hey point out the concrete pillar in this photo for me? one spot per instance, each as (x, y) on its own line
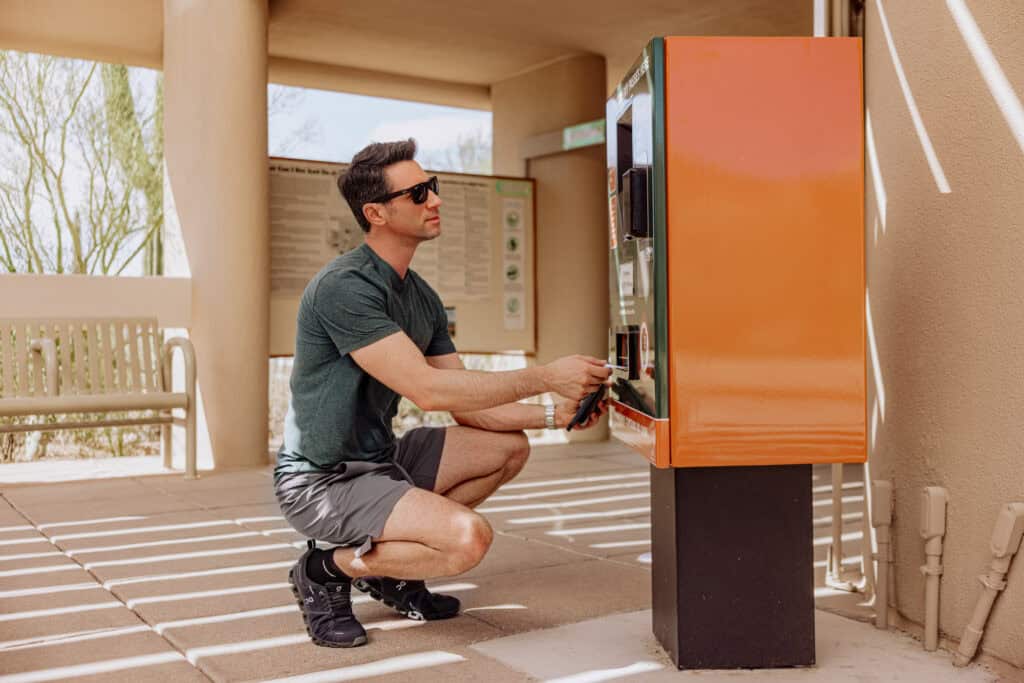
(572, 233)
(215, 127)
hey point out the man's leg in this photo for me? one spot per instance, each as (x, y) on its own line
(475, 462)
(426, 536)
(429, 535)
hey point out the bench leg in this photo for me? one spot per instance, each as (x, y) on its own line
(190, 442)
(165, 435)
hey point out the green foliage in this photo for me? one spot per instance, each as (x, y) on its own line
(142, 167)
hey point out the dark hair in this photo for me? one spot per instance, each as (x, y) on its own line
(365, 179)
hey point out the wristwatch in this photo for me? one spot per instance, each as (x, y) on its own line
(549, 416)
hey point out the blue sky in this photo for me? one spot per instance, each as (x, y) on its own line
(340, 124)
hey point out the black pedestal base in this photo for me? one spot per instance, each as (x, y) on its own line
(733, 582)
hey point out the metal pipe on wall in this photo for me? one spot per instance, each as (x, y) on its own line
(933, 528)
(840, 17)
(1006, 540)
(881, 520)
(868, 543)
(834, 572)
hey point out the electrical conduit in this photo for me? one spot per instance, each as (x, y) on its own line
(1006, 540)
(933, 528)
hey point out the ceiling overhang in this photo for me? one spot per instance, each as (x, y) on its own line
(443, 52)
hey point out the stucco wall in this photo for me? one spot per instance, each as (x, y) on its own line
(945, 280)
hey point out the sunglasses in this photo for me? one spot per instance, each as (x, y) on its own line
(418, 193)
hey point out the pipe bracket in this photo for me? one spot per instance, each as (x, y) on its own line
(931, 571)
(989, 582)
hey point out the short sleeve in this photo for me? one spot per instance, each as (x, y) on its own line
(441, 342)
(353, 310)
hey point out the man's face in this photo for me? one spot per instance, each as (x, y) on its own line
(419, 221)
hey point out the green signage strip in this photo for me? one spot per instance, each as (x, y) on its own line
(583, 135)
(512, 188)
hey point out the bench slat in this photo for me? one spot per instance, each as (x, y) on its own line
(93, 338)
(139, 327)
(41, 405)
(38, 331)
(64, 342)
(148, 336)
(131, 356)
(21, 358)
(106, 355)
(81, 355)
(7, 351)
(121, 356)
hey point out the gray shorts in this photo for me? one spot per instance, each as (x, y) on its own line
(351, 505)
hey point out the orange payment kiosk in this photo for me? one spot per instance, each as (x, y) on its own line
(736, 274)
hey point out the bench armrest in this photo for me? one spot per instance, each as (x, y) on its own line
(188, 355)
(47, 349)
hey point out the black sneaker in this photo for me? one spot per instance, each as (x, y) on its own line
(326, 609)
(409, 598)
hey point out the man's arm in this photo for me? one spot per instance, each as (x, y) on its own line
(396, 362)
(511, 417)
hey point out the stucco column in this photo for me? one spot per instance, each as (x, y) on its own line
(572, 233)
(215, 85)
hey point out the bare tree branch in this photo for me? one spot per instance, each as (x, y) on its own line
(81, 189)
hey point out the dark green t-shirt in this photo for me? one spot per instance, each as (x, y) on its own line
(338, 412)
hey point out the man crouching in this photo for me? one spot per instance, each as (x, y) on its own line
(370, 331)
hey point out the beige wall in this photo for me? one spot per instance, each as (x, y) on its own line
(945, 282)
(122, 31)
(303, 74)
(572, 256)
(567, 92)
(168, 299)
(215, 76)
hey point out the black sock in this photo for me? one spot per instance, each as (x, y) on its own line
(320, 568)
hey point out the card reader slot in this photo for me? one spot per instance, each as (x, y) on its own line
(633, 359)
(627, 351)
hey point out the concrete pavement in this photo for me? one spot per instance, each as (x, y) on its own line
(153, 577)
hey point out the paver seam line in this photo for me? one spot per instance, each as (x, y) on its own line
(567, 548)
(197, 666)
(100, 584)
(513, 632)
(625, 563)
(541, 541)
(582, 557)
(485, 623)
(471, 654)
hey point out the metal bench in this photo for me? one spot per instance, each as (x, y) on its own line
(60, 367)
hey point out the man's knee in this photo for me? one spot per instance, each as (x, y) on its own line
(518, 450)
(472, 540)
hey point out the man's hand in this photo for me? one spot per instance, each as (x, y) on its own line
(575, 376)
(566, 410)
